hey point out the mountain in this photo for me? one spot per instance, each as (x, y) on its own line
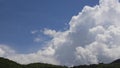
(41, 65)
(114, 64)
(6, 63)
(116, 61)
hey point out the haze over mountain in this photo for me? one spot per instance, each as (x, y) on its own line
(93, 37)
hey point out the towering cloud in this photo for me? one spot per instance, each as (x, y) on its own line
(93, 37)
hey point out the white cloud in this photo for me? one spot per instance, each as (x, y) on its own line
(93, 36)
(37, 39)
(40, 56)
(6, 51)
(34, 32)
(49, 32)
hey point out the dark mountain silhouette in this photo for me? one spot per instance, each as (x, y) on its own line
(116, 61)
(42, 65)
(114, 64)
(6, 63)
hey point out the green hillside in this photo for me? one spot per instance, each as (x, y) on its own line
(99, 66)
(41, 65)
(114, 64)
(5, 63)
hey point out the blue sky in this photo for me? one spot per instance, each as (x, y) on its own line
(19, 17)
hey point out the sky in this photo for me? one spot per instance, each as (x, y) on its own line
(60, 32)
(18, 18)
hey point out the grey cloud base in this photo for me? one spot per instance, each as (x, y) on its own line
(93, 37)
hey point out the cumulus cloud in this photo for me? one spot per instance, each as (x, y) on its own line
(49, 32)
(93, 37)
(6, 51)
(45, 56)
